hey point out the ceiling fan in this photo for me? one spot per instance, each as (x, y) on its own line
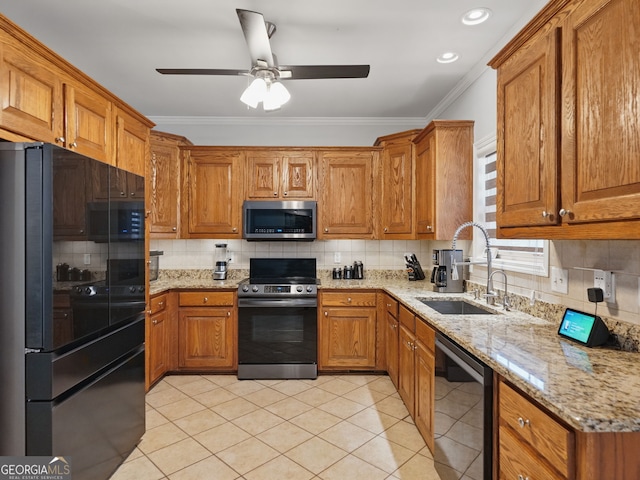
(267, 73)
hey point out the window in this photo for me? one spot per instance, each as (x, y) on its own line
(526, 256)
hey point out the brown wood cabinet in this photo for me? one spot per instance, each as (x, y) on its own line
(424, 401)
(132, 141)
(443, 179)
(392, 328)
(158, 340)
(163, 184)
(406, 358)
(212, 191)
(397, 189)
(280, 174)
(347, 330)
(31, 93)
(349, 194)
(568, 124)
(207, 325)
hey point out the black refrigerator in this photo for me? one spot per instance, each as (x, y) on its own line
(72, 302)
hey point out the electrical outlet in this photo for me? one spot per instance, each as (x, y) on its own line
(337, 257)
(606, 281)
(560, 280)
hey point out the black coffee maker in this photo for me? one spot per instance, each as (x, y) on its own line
(441, 275)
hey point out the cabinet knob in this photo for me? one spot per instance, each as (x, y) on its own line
(122, 194)
(205, 299)
(59, 139)
(73, 144)
(348, 299)
(388, 305)
(429, 227)
(286, 193)
(149, 312)
(235, 229)
(523, 477)
(161, 304)
(386, 229)
(175, 229)
(81, 232)
(155, 322)
(523, 423)
(564, 212)
(132, 194)
(228, 314)
(275, 194)
(545, 214)
(326, 314)
(326, 230)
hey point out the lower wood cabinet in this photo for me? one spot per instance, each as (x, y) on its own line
(424, 401)
(347, 330)
(158, 338)
(406, 358)
(207, 331)
(392, 329)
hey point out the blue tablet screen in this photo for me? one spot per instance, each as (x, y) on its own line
(576, 325)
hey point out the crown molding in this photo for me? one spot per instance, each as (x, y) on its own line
(285, 121)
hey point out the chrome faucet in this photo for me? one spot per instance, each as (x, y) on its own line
(506, 303)
(487, 250)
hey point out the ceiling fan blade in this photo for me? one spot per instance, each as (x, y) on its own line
(324, 71)
(255, 33)
(200, 71)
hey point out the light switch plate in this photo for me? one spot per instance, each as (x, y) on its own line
(560, 280)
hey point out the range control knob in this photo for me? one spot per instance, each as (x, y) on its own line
(309, 288)
(132, 289)
(299, 288)
(87, 290)
(245, 288)
(255, 289)
(78, 289)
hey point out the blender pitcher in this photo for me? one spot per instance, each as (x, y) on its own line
(221, 257)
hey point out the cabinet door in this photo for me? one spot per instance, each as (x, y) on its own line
(263, 175)
(397, 191)
(392, 348)
(31, 95)
(207, 338)
(132, 147)
(425, 388)
(214, 192)
(601, 120)
(297, 175)
(158, 345)
(406, 368)
(425, 185)
(527, 163)
(89, 123)
(347, 194)
(347, 337)
(69, 204)
(163, 182)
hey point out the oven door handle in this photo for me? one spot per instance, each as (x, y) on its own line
(277, 302)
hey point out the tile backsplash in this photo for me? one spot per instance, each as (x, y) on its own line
(619, 256)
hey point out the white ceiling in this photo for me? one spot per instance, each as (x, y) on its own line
(119, 43)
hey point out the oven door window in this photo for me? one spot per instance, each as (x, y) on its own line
(277, 335)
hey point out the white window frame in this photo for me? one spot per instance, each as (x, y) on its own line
(535, 259)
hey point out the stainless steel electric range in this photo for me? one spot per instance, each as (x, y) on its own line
(277, 319)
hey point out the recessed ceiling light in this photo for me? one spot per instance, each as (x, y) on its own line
(448, 57)
(476, 16)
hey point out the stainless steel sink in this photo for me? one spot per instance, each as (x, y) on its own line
(456, 307)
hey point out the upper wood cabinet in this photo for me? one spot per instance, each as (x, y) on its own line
(163, 184)
(397, 190)
(568, 123)
(278, 174)
(132, 137)
(30, 94)
(348, 192)
(443, 179)
(212, 189)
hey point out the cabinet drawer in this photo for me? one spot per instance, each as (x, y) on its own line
(518, 461)
(407, 318)
(349, 299)
(534, 427)
(206, 298)
(426, 335)
(391, 306)
(158, 303)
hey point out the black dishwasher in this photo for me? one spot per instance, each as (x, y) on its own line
(463, 413)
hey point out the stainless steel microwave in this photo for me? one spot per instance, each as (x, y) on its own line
(279, 220)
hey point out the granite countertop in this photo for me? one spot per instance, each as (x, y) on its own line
(592, 389)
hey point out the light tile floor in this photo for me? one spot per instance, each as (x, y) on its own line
(352, 427)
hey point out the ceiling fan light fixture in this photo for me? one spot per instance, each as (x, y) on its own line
(254, 93)
(476, 16)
